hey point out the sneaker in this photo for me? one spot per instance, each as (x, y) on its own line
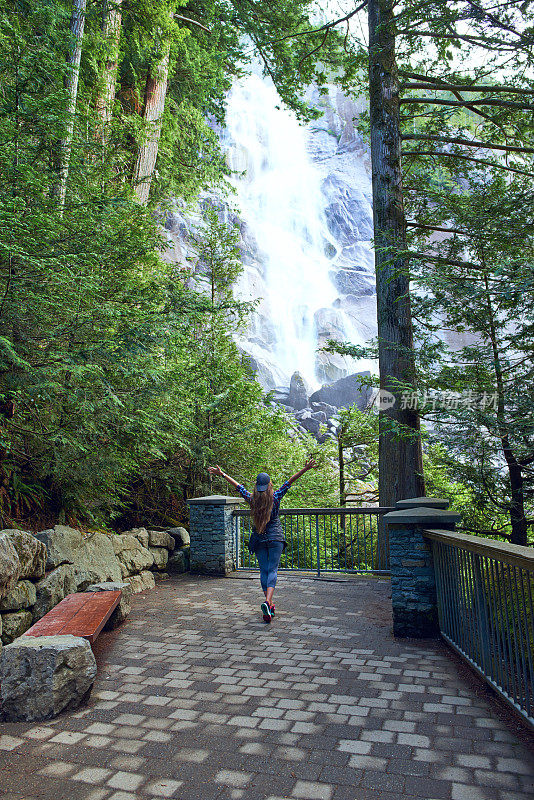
(272, 609)
(266, 611)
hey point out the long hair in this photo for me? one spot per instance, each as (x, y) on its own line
(261, 506)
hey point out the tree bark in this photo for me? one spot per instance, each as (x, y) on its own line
(111, 30)
(154, 104)
(77, 24)
(400, 457)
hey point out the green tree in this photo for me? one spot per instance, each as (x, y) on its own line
(478, 285)
(451, 83)
(357, 455)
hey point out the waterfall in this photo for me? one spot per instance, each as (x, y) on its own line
(306, 253)
(302, 203)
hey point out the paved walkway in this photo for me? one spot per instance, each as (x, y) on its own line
(197, 699)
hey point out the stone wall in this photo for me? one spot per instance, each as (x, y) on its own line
(413, 584)
(212, 534)
(38, 570)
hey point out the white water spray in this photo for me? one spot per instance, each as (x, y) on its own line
(281, 202)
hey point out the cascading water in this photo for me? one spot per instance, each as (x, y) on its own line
(303, 208)
(301, 226)
(280, 201)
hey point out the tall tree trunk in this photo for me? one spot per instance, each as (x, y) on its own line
(77, 24)
(400, 458)
(154, 104)
(111, 30)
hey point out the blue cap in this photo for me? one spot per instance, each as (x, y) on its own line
(262, 482)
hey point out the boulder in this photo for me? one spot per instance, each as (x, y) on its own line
(10, 566)
(311, 421)
(328, 409)
(31, 553)
(14, 624)
(23, 595)
(161, 539)
(141, 534)
(180, 536)
(178, 562)
(125, 604)
(133, 557)
(298, 392)
(92, 554)
(280, 395)
(345, 392)
(161, 556)
(310, 424)
(139, 583)
(53, 588)
(40, 676)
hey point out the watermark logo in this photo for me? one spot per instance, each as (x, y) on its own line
(435, 400)
(430, 400)
(384, 400)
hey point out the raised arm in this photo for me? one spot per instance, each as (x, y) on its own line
(216, 470)
(310, 464)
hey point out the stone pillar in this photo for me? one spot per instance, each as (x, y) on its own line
(413, 585)
(212, 534)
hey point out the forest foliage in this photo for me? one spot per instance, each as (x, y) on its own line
(461, 135)
(119, 375)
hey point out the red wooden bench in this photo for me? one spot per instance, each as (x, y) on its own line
(83, 614)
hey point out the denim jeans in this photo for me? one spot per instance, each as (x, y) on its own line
(268, 555)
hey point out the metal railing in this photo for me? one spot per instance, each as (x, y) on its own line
(485, 605)
(323, 540)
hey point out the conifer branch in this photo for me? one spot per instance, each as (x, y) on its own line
(435, 101)
(467, 158)
(420, 137)
(459, 87)
(192, 21)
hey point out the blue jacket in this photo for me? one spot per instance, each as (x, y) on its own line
(273, 531)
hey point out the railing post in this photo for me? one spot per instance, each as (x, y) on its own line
(212, 534)
(236, 521)
(413, 582)
(318, 545)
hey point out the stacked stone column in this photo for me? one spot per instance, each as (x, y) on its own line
(413, 583)
(212, 534)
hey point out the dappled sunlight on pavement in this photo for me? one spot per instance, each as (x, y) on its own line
(196, 699)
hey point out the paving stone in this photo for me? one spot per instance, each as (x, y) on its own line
(10, 742)
(192, 701)
(164, 787)
(427, 788)
(309, 790)
(92, 775)
(129, 781)
(382, 782)
(461, 791)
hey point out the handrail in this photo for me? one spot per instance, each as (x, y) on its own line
(516, 554)
(242, 512)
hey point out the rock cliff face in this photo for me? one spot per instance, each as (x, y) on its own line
(305, 224)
